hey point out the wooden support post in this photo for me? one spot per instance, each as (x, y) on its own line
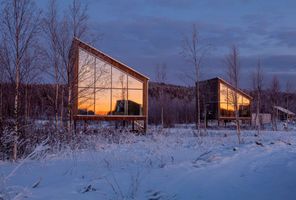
(75, 127)
(85, 126)
(133, 125)
(145, 125)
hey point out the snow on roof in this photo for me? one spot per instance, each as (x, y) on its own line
(284, 110)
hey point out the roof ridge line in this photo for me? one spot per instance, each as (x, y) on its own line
(75, 38)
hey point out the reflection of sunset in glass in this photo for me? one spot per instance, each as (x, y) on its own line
(246, 102)
(106, 90)
(230, 107)
(102, 103)
(134, 83)
(228, 99)
(103, 74)
(86, 69)
(119, 79)
(223, 105)
(86, 100)
(239, 98)
(136, 96)
(119, 97)
(86, 105)
(223, 93)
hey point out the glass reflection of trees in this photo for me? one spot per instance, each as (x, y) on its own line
(227, 103)
(106, 90)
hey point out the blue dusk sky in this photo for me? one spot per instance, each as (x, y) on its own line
(145, 33)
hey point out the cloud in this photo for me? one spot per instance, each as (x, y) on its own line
(286, 37)
(144, 33)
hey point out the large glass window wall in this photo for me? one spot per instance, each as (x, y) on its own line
(106, 90)
(228, 98)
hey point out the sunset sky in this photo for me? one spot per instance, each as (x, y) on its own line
(144, 33)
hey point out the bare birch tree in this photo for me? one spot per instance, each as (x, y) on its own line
(161, 77)
(194, 53)
(51, 31)
(258, 86)
(288, 99)
(233, 72)
(289, 91)
(60, 30)
(31, 72)
(274, 95)
(20, 25)
(2, 75)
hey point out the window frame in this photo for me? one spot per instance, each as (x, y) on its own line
(111, 88)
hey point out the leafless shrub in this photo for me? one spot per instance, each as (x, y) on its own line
(194, 53)
(18, 193)
(233, 71)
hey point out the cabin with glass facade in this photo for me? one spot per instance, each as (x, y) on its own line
(106, 89)
(218, 99)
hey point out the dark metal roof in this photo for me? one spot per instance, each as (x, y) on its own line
(229, 85)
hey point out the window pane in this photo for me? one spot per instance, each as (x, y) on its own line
(230, 111)
(246, 101)
(85, 101)
(134, 83)
(227, 103)
(103, 74)
(223, 110)
(103, 102)
(119, 78)
(85, 69)
(119, 99)
(135, 102)
(230, 107)
(244, 111)
(239, 99)
(223, 93)
(231, 96)
(245, 108)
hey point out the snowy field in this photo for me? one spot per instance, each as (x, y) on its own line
(163, 165)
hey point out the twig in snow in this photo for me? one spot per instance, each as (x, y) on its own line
(89, 188)
(36, 184)
(259, 144)
(202, 155)
(287, 143)
(40, 148)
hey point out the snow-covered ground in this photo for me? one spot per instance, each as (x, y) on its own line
(169, 164)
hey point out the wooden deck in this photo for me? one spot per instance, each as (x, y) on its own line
(108, 118)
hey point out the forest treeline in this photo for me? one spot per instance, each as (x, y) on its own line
(37, 102)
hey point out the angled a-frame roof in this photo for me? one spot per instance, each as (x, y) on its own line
(231, 86)
(238, 89)
(78, 43)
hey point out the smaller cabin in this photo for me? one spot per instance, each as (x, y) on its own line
(284, 114)
(218, 99)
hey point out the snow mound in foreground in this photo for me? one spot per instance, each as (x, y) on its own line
(171, 164)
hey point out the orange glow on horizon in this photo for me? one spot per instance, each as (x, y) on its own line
(227, 99)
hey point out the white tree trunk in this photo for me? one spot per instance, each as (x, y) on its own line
(62, 108)
(56, 105)
(1, 105)
(69, 110)
(16, 111)
(258, 114)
